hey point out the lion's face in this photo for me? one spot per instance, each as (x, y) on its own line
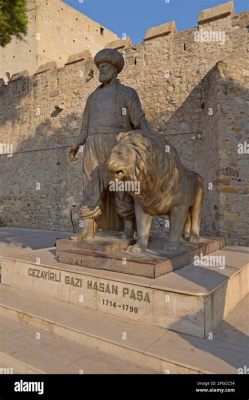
(122, 161)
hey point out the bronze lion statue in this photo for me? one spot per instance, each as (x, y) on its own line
(166, 187)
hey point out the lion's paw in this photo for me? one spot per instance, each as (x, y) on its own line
(194, 238)
(135, 249)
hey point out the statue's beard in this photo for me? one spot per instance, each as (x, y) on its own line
(106, 77)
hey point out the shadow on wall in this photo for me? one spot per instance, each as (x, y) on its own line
(194, 134)
(206, 131)
(38, 184)
(11, 96)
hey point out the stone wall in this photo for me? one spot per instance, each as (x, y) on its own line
(187, 94)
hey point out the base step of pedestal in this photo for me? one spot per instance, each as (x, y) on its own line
(24, 349)
(150, 348)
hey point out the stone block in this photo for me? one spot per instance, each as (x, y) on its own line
(160, 30)
(221, 11)
(45, 67)
(83, 55)
(119, 44)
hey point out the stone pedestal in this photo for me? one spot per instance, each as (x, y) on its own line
(191, 300)
(108, 252)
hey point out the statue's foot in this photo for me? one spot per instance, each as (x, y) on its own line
(81, 236)
(76, 237)
(87, 232)
(136, 249)
(171, 246)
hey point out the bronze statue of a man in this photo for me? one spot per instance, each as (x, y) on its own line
(112, 108)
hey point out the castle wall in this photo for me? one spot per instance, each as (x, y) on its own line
(55, 31)
(65, 31)
(178, 82)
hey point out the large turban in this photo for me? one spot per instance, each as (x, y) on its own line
(110, 56)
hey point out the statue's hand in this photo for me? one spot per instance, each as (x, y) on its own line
(73, 153)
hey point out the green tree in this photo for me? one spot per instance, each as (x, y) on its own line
(13, 20)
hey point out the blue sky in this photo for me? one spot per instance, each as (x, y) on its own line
(134, 17)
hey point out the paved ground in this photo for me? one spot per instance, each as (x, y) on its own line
(25, 239)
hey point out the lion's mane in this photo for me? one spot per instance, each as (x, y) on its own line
(158, 166)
